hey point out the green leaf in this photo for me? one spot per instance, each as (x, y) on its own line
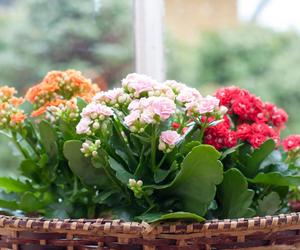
(82, 167)
(12, 205)
(186, 148)
(12, 185)
(81, 103)
(49, 140)
(27, 107)
(269, 205)
(156, 217)
(30, 203)
(121, 173)
(103, 196)
(30, 169)
(195, 184)
(254, 161)
(276, 179)
(230, 151)
(234, 196)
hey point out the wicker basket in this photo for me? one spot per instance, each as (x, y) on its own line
(270, 232)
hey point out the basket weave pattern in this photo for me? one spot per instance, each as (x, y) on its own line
(270, 232)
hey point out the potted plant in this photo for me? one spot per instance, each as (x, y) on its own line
(146, 152)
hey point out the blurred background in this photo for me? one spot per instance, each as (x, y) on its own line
(208, 43)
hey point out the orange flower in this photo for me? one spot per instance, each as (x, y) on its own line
(18, 117)
(3, 106)
(33, 92)
(7, 93)
(16, 101)
(39, 111)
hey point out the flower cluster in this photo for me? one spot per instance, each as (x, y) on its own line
(221, 136)
(148, 111)
(136, 187)
(250, 108)
(257, 133)
(291, 143)
(167, 140)
(10, 115)
(114, 98)
(90, 149)
(66, 110)
(94, 117)
(57, 86)
(253, 120)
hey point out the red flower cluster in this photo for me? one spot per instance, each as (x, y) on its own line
(250, 108)
(255, 121)
(257, 133)
(221, 136)
(291, 143)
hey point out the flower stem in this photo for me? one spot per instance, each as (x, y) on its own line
(203, 128)
(153, 147)
(18, 145)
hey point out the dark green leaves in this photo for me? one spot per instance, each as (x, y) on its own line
(234, 196)
(49, 140)
(82, 166)
(253, 161)
(269, 205)
(121, 173)
(195, 184)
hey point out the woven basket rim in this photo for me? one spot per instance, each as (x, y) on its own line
(268, 223)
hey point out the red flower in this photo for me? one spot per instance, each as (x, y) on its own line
(291, 143)
(244, 131)
(257, 139)
(220, 136)
(277, 116)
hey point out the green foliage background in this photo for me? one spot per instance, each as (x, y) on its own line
(261, 60)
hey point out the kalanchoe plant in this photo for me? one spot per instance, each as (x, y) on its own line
(145, 151)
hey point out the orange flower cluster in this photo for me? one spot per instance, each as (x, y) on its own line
(59, 86)
(10, 115)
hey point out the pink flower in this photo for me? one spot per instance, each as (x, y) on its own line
(96, 109)
(138, 83)
(83, 126)
(169, 137)
(208, 104)
(130, 119)
(162, 106)
(188, 95)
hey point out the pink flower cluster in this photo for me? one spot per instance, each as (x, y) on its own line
(291, 143)
(138, 84)
(148, 111)
(114, 98)
(167, 140)
(92, 117)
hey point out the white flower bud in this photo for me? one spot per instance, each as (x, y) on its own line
(94, 153)
(96, 125)
(94, 115)
(85, 145)
(97, 143)
(161, 146)
(132, 182)
(139, 183)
